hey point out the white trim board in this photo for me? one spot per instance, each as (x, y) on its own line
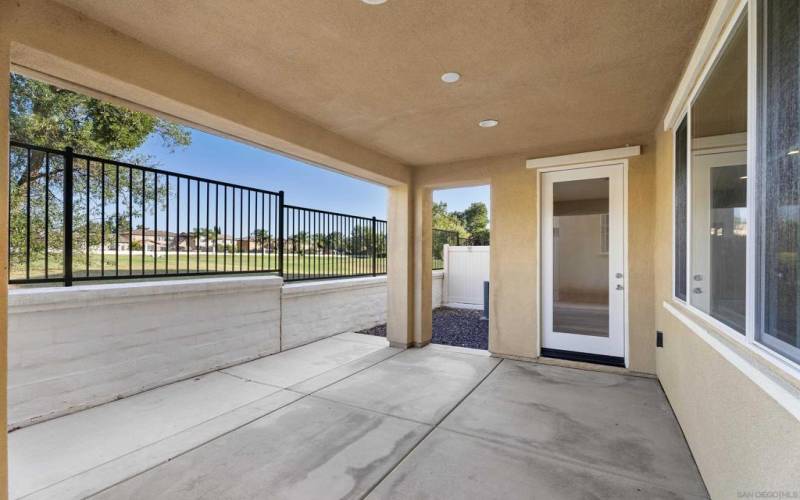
(581, 158)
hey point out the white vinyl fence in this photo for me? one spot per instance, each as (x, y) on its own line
(465, 270)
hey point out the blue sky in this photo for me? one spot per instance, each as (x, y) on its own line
(305, 185)
(461, 198)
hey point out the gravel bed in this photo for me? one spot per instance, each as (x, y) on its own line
(457, 327)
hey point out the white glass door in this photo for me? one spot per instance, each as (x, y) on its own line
(583, 262)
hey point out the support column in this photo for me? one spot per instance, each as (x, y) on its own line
(5, 68)
(423, 266)
(400, 267)
(410, 266)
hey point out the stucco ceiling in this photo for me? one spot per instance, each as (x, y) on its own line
(562, 76)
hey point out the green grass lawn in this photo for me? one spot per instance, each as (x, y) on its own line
(296, 266)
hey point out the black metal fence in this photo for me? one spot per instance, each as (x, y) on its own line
(74, 217)
(328, 244)
(442, 237)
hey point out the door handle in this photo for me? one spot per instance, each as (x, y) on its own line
(697, 290)
(620, 287)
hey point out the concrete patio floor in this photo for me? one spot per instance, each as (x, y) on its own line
(350, 417)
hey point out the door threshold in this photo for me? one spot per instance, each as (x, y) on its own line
(585, 357)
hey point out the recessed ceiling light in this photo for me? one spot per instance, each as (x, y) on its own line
(488, 123)
(451, 77)
(373, 2)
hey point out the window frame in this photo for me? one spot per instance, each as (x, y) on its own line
(748, 339)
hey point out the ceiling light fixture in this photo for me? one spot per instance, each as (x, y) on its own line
(793, 152)
(451, 77)
(488, 123)
(373, 2)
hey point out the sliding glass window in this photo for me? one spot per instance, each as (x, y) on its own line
(778, 179)
(718, 170)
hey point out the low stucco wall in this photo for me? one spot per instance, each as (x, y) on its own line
(314, 310)
(319, 309)
(73, 348)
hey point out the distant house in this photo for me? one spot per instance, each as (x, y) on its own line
(147, 240)
(162, 241)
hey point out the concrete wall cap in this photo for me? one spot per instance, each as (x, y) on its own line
(332, 286)
(32, 299)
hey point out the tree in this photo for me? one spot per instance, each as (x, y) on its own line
(475, 218)
(472, 224)
(45, 115)
(335, 241)
(449, 221)
(263, 239)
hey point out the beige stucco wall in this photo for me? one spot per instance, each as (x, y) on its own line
(514, 270)
(58, 42)
(742, 439)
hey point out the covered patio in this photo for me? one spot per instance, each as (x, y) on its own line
(349, 416)
(644, 326)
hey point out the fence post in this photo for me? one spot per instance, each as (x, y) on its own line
(281, 216)
(374, 248)
(68, 193)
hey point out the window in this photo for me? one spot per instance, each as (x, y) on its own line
(778, 183)
(718, 185)
(716, 230)
(681, 152)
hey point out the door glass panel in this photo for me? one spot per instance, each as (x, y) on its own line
(580, 257)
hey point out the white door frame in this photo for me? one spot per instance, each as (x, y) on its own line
(623, 163)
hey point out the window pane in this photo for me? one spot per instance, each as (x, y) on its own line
(718, 219)
(681, 154)
(779, 178)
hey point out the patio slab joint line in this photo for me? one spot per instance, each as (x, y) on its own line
(429, 431)
(245, 379)
(229, 431)
(136, 450)
(370, 410)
